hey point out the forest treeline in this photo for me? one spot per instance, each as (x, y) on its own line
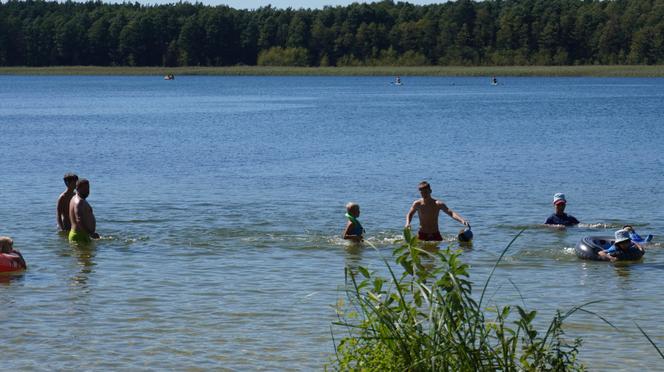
(463, 32)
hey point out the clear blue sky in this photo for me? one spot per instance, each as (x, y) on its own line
(252, 4)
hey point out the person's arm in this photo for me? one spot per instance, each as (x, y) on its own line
(443, 207)
(411, 212)
(639, 247)
(348, 235)
(59, 212)
(605, 256)
(20, 256)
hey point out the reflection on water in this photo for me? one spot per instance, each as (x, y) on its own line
(84, 254)
(221, 216)
(7, 278)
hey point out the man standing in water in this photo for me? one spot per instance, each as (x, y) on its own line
(428, 210)
(560, 217)
(62, 209)
(83, 223)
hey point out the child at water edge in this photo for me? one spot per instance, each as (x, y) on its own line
(354, 229)
(7, 247)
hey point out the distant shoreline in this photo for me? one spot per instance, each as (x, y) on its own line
(544, 71)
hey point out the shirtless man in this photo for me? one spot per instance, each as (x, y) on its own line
(62, 209)
(427, 210)
(83, 223)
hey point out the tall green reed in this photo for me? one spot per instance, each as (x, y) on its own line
(426, 319)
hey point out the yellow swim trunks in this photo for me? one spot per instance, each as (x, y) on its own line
(79, 236)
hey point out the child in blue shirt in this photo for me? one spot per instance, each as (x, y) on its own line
(622, 249)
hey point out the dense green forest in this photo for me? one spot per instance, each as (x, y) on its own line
(463, 32)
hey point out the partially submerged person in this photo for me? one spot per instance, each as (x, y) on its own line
(428, 209)
(83, 223)
(7, 248)
(354, 229)
(62, 209)
(622, 249)
(559, 217)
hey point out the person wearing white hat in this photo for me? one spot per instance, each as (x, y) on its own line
(622, 249)
(560, 217)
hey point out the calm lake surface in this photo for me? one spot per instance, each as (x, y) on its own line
(220, 201)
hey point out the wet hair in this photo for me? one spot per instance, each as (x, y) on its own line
(350, 206)
(423, 185)
(70, 176)
(82, 181)
(5, 244)
(628, 228)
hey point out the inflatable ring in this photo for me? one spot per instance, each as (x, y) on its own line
(11, 263)
(589, 247)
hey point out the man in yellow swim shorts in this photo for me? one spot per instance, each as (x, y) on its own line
(83, 223)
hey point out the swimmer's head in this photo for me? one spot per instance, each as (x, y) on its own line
(70, 180)
(353, 209)
(6, 244)
(83, 188)
(425, 188)
(628, 228)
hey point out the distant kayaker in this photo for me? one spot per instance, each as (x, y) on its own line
(622, 249)
(428, 210)
(560, 217)
(354, 229)
(83, 223)
(62, 209)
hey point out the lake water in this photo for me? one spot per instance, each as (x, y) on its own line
(220, 201)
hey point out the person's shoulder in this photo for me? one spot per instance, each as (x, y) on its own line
(551, 220)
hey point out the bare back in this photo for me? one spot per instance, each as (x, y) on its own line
(62, 210)
(81, 216)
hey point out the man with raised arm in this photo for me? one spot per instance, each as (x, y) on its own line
(83, 223)
(62, 209)
(428, 210)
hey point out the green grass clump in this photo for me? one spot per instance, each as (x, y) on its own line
(427, 320)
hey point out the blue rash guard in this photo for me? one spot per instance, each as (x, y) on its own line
(632, 253)
(633, 236)
(565, 219)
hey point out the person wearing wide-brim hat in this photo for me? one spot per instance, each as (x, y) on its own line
(560, 217)
(622, 249)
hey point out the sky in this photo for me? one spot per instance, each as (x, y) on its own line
(253, 4)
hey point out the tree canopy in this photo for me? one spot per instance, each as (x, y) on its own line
(462, 32)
